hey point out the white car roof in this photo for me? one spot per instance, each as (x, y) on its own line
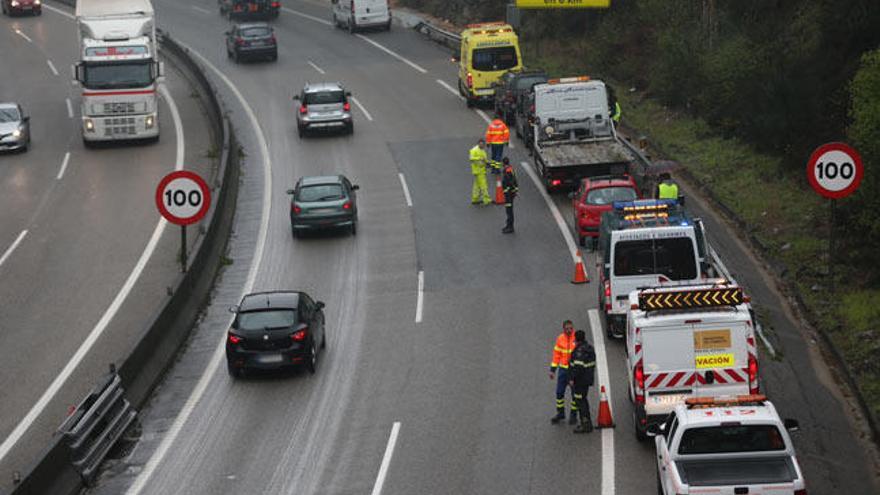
(714, 416)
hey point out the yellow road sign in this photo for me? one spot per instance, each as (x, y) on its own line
(701, 298)
(563, 4)
(715, 361)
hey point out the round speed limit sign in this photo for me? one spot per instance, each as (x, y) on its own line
(183, 197)
(835, 170)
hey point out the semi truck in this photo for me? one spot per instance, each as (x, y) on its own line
(573, 135)
(118, 70)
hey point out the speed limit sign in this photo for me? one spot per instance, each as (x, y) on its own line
(835, 170)
(183, 197)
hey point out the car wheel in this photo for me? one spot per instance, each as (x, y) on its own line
(469, 102)
(274, 56)
(300, 131)
(582, 241)
(659, 485)
(641, 436)
(312, 365)
(324, 339)
(608, 331)
(335, 21)
(233, 371)
(351, 26)
(235, 56)
(38, 12)
(354, 228)
(349, 129)
(294, 232)
(388, 26)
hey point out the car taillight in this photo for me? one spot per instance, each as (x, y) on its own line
(239, 41)
(532, 109)
(303, 109)
(639, 377)
(800, 492)
(555, 182)
(273, 40)
(753, 374)
(346, 205)
(352, 8)
(607, 288)
(296, 209)
(276, 5)
(346, 106)
(470, 80)
(234, 339)
(299, 335)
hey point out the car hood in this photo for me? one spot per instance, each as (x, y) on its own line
(8, 127)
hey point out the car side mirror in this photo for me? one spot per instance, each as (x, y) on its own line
(233, 309)
(348, 93)
(228, 33)
(290, 191)
(572, 195)
(26, 118)
(791, 425)
(654, 429)
(319, 304)
(296, 98)
(355, 187)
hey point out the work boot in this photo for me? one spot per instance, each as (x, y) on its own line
(507, 230)
(573, 418)
(560, 416)
(582, 428)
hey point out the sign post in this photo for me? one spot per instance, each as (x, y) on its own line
(835, 171)
(183, 197)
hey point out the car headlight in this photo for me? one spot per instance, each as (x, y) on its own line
(90, 126)
(148, 122)
(14, 3)
(36, 2)
(16, 133)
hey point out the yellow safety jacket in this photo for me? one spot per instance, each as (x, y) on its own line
(479, 159)
(668, 190)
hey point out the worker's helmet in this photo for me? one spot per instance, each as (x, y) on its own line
(580, 336)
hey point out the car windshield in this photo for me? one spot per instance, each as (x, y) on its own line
(608, 195)
(322, 192)
(324, 97)
(525, 83)
(119, 75)
(255, 32)
(491, 59)
(259, 320)
(672, 257)
(9, 115)
(731, 439)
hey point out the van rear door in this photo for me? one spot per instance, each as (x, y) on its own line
(721, 358)
(668, 362)
(371, 12)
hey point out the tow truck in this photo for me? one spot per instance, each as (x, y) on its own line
(687, 341)
(727, 445)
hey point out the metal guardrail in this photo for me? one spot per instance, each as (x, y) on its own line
(441, 36)
(96, 424)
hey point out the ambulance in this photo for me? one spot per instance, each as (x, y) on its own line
(488, 50)
(687, 341)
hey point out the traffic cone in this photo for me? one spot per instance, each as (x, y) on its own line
(580, 274)
(604, 420)
(499, 193)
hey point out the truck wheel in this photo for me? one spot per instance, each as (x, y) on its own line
(641, 436)
(351, 26)
(609, 331)
(582, 241)
(659, 485)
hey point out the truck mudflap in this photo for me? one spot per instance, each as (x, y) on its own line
(738, 473)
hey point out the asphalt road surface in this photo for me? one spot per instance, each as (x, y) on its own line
(440, 328)
(74, 224)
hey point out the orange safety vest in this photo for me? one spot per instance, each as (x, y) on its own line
(497, 132)
(562, 351)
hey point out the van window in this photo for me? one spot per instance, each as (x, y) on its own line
(731, 438)
(673, 257)
(492, 59)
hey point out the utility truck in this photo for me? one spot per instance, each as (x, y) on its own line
(727, 445)
(119, 70)
(573, 135)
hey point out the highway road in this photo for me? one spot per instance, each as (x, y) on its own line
(440, 327)
(83, 264)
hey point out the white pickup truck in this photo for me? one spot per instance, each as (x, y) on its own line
(726, 446)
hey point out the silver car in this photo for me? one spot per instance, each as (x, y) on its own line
(323, 106)
(15, 127)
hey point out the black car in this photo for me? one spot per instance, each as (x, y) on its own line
(252, 40)
(263, 9)
(321, 202)
(274, 330)
(509, 91)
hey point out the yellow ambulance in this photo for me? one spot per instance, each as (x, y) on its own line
(488, 50)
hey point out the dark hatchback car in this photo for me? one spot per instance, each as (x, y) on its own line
(21, 7)
(250, 8)
(274, 330)
(321, 202)
(511, 89)
(252, 40)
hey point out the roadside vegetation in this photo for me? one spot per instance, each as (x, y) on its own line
(740, 93)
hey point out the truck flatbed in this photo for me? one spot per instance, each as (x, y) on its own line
(574, 153)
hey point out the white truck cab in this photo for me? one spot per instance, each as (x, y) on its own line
(687, 341)
(726, 446)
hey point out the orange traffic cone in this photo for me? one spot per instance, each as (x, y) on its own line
(604, 420)
(580, 274)
(499, 193)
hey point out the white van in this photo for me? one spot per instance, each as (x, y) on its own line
(361, 14)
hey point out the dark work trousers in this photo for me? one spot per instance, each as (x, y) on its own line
(497, 152)
(508, 208)
(583, 405)
(561, 385)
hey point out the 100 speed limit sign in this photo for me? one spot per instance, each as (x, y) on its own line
(835, 170)
(183, 197)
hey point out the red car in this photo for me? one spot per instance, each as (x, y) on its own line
(33, 7)
(595, 196)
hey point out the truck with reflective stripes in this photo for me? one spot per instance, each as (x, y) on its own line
(726, 445)
(686, 340)
(119, 70)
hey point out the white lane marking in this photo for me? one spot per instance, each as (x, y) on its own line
(219, 351)
(13, 246)
(364, 110)
(18, 32)
(69, 107)
(386, 459)
(760, 329)
(320, 70)
(405, 189)
(199, 9)
(608, 480)
(58, 11)
(450, 88)
(84, 348)
(307, 16)
(563, 227)
(483, 115)
(420, 300)
(393, 54)
(63, 166)
(52, 67)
